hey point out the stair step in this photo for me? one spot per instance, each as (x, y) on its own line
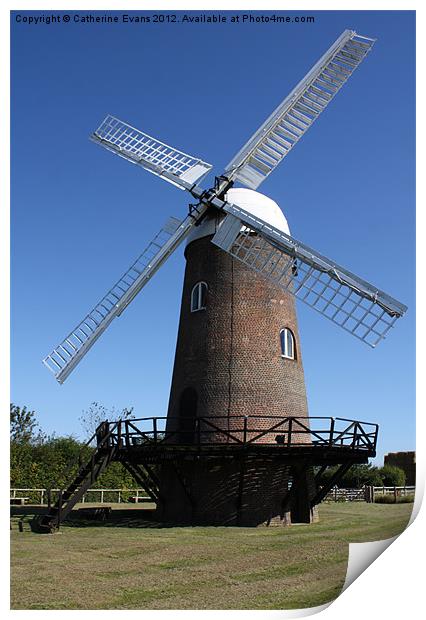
(74, 491)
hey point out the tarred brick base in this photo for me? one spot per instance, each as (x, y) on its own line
(231, 493)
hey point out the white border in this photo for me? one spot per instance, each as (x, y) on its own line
(392, 586)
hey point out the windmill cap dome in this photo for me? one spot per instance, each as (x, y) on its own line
(257, 204)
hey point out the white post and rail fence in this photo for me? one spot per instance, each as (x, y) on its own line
(101, 496)
(98, 496)
(368, 493)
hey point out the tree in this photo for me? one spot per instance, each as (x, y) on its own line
(356, 477)
(359, 475)
(97, 413)
(24, 427)
(39, 461)
(392, 476)
(54, 463)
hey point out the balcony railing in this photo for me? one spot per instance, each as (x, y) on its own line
(288, 432)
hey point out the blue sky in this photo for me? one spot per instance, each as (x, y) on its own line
(80, 215)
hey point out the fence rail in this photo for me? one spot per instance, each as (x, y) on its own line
(336, 494)
(346, 495)
(40, 496)
(401, 491)
(366, 493)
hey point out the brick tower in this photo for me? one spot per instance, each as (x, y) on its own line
(238, 354)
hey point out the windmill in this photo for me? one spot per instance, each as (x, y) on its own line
(244, 270)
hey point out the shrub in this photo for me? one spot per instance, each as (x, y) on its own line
(384, 499)
(392, 476)
(406, 499)
(390, 499)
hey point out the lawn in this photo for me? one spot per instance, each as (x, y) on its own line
(131, 563)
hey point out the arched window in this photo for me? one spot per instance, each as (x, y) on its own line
(288, 347)
(199, 297)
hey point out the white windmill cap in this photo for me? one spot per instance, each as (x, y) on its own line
(259, 205)
(255, 203)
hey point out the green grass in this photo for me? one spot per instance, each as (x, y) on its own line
(135, 565)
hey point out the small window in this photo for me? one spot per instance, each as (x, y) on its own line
(288, 348)
(199, 297)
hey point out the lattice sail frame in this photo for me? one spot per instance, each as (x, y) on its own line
(176, 167)
(339, 295)
(64, 357)
(292, 118)
(358, 307)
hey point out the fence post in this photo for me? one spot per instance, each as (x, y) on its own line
(290, 428)
(42, 497)
(335, 492)
(59, 509)
(49, 498)
(102, 497)
(245, 430)
(119, 497)
(154, 422)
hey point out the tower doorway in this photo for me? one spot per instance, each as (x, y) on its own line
(187, 414)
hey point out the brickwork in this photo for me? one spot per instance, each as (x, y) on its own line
(230, 352)
(228, 364)
(231, 492)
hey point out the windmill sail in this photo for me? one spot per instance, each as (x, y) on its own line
(157, 157)
(64, 358)
(293, 117)
(355, 305)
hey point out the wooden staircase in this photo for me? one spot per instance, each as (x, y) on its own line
(80, 484)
